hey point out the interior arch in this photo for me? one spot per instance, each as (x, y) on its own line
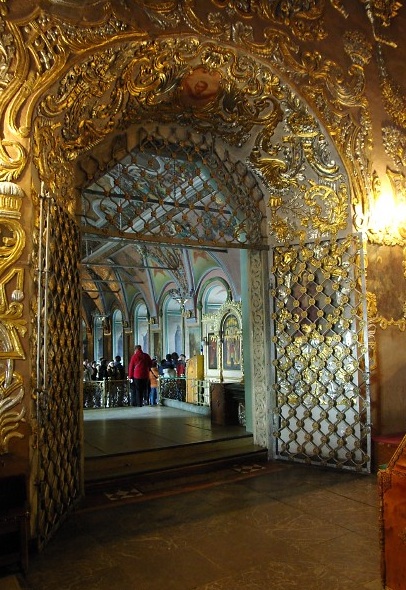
(294, 186)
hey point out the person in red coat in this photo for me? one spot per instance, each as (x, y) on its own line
(138, 373)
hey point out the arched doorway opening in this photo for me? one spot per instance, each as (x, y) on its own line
(200, 197)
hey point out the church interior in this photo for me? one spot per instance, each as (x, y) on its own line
(223, 180)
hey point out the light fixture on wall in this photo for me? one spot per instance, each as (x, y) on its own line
(387, 221)
(126, 327)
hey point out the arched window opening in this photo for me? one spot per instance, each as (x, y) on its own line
(98, 337)
(214, 297)
(118, 348)
(141, 333)
(173, 338)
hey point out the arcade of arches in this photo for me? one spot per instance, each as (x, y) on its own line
(166, 166)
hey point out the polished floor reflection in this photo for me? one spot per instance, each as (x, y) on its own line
(273, 526)
(124, 441)
(293, 528)
(121, 430)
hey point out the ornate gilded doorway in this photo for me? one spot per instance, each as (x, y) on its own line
(74, 85)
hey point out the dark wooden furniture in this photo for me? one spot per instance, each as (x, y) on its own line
(392, 493)
(14, 521)
(384, 447)
(224, 401)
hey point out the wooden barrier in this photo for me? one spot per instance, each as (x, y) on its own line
(392, 492)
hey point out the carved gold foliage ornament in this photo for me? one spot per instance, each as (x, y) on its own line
(393, 94)
(381, 11)
(223, 92)
(7, 51)
(395, 144)
(12, 323)
(114, 89)
(393, 97)
(124, 82)
(304, 18)
(328, 209)
(309, 196)
(13, 158)
(11, 396)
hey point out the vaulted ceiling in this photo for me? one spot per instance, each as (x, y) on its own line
(163, 216)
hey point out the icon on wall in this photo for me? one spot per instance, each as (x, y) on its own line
(231, 344)
(212, 351)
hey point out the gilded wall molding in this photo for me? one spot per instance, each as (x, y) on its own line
(386, 300)
(12, 323)
(380, 15)
(259, 350)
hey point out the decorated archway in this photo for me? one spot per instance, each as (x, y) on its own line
(95, 99)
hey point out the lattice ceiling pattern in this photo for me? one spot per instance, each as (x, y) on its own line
(169, 191)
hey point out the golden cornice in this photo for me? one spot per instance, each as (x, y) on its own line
(306, 23)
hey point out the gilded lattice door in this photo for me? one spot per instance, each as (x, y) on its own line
(57, 368)
(321, 376)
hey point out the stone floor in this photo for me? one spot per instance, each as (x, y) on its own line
(282, 528)
(119, 430)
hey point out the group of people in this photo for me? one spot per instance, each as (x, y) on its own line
(144, 373)
(98, 371)
(173, 365)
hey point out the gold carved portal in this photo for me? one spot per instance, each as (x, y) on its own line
(70, 87)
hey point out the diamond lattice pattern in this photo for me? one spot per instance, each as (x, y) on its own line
(171, 188)
(59, 403)
(320, 362)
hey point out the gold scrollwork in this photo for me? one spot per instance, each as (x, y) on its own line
(11, 395)
(331, 212)
(302, 206)
(128, 77)
(12, 324)
(303, 18)
(11, 166)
